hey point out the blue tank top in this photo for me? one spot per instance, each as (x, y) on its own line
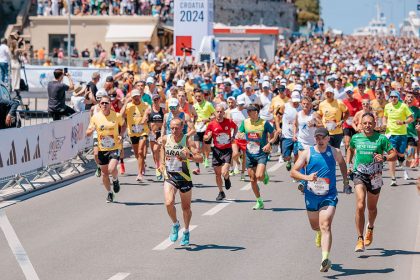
(324, 164)
(182, 117)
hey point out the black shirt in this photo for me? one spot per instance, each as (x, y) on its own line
(94, 90)
(56, 96)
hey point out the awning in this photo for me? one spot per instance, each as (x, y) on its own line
(129, 33)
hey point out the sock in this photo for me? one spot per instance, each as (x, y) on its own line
(325, 255)
(360, 237)
(186, 230)
(122, 160)
(318, 232)
(198, 165)
(369, 227)
(114, 179)
(176, 223)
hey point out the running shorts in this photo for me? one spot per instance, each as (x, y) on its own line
(253, 160)
(316, 202)
(104, 157)
(241, 144)
(399, 142)
(288, 146)
(349, 131)
(181, 185)
(136, 139)
(364, 179)
(199, 137)
(221, 156)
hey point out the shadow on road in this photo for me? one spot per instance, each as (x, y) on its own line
(137, 203)
(199, 200)
(284, 209)
(196, 247)
(388, 253)
(353, 272)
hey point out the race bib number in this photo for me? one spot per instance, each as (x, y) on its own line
(253, 145)
(320, 187)
(349, 120)
(376, 181)
(137, 128)
(223, 139)
(173, 164)
(152, 137)
(107, 141)
(200, 126)
(330, 125)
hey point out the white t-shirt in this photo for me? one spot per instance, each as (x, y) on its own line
(289, 117)
(78, 103)
(238, 116)
(266, 102)
(248, 100)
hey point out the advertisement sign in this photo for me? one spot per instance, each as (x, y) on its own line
(39, 76)
(193, 19)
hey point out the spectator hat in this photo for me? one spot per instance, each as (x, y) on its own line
(395, 93)
(155, 96)
(247, 85)
(231, 98)
(329, 89)
(150, 80)
(173, 102)
(298, 87)
(101, 93)
(180, 83)
(348, 90)
(266, 84)
(295, 96)
(135, 92)
(219, 80)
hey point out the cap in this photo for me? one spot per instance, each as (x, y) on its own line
(180, 83)
(173, 102)
(266, 84)
(135, 92)
(219, 80)
(348, 90)
(110, 79)
(329, 89)
(295, 96)
(282, 88)
(155, 96)
(247, 85)
(150, 80)
(266, 78)
(241, 102)
(322, 131)
(231, 98)
(321, 82)
(252, 107)
(394, 93)
(227, 83)
(101, 93)
(298, 87)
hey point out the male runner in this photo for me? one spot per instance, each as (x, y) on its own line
(320, 191)
(370, 147)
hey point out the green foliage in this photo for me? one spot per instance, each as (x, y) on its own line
(308, 10)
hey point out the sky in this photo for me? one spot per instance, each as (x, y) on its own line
(347, 15)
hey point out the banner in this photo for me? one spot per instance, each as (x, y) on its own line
(32, 147)
(39, 76)
(193, 20)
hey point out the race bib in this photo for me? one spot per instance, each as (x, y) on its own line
(253, 145)
(152, 137)
(320, 187)
(223, 139)
(137, 128)
(107, 141)
(349, 120)
(173, 164)
(330, 126)
(376, 181)
(200, 127)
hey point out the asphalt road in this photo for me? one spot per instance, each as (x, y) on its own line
(71, 233)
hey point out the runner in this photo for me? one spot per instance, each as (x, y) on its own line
(175, 113)
(220, 130)
(412, 134)
(396, 117)
(155, 115)
(320, 191)
(177, 149)
(204, 110)
(255, 130)
(134, 112)
(353, 106)
(367, 174)
(357, 119)
(107, 125)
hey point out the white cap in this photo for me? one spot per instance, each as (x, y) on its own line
(247, 85)
(348, 89)
(265, 84)
(241, 102)
(219, 80)
(266, 78)
(150, 80)
(180, 83)
(415, 85)
(135, 92)
(298, 87)
(295, 96)
(240, 73)
(329, 89)
(101, 93)
(173, 102)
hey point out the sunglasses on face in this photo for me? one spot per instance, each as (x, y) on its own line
(393, 97)
(365, 104)
(104, 103)
(172, 108)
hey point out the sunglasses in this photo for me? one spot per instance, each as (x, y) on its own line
(173, 108)
(393, 97)
(365, 104)
(104, 103)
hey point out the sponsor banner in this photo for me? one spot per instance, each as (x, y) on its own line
(29, 148)
(39, 76)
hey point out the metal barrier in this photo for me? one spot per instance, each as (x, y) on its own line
(28, 117)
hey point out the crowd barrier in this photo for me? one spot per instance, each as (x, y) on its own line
(43, 149)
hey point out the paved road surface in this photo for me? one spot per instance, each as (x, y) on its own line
(71, 233)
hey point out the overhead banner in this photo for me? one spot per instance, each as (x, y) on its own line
(32, 147)
(193, 20)
(39, 76)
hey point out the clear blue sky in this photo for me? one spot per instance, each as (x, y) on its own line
(347, 15)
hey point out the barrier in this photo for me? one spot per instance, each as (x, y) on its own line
(43, 149)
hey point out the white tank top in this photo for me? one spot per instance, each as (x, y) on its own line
(306, 134)
(289, 117)
(238, 116)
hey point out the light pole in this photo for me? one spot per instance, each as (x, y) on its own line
(69, 33)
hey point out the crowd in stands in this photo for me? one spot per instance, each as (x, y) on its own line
(158, 8)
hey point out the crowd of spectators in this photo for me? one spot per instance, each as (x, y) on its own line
(159, 8)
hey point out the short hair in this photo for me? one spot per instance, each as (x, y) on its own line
(58, 73)
(368, 114)
(3, 41)
(307, 98)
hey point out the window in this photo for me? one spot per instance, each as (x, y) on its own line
(60, 41)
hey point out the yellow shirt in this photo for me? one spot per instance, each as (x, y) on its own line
(278, 102)
(393, 113)
(189, 89)
(107, 128)
(331, 114)
(378, 107)
(135, 115)
(144, 67)
(204, 110)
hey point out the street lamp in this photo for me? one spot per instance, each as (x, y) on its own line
(69, 32)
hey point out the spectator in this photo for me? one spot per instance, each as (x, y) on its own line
(41, 54)
(57, 95)
(79, 98)
(7, 108)
(5, 58)
(93, 88)
(86, 53)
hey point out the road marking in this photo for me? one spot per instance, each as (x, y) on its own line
(167, 243)
(17, 248)
(273, 168)
(415, 268)
(119, 276)
(218, 207)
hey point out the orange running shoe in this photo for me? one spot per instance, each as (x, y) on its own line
(360, 246)
(369, 236)
(122, 168)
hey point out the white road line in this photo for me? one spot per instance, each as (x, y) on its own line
(17, 248)
(273, 168)
(415, 269)
(218, 207)
(167, 243)
(119, 276)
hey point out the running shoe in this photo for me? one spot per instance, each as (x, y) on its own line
(174, 232)
(393, 182)
(347, 189)
(360, 245)
(268, 157)
(259, 205)
(196, 171)
(206, 163)
(318, 239)
(185, 240)
(406, 176)
(242, 176)
(228, 184)
(139, 178)
(301, 187)
(369, 236)
(281, 160)
(98, 172)
(159, 175)
(266, 178)
(236, 171)
(289, 165)
(325, 265)
(122, 168)
(220, 196)
(231, 173)
(116, 185)
(110, 197)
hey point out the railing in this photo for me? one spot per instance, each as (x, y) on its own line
(28, 118)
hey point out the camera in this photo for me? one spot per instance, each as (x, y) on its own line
(66, 70)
